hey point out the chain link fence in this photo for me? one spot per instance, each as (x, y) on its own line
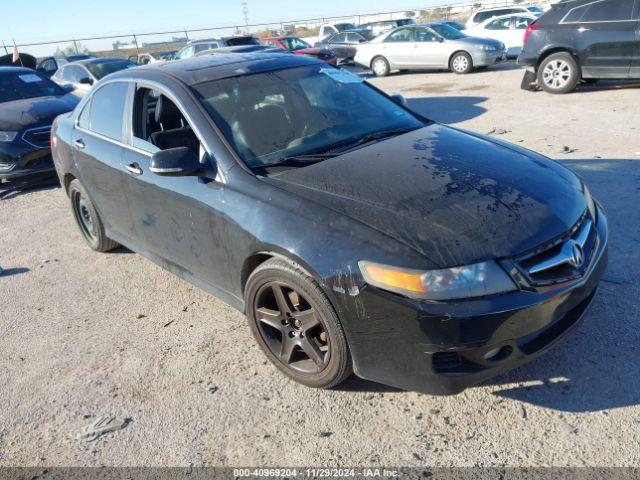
(127, 44)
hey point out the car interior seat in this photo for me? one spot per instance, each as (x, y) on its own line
(174, 131)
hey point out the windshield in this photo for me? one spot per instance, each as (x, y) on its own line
(270, 116)
(293, 43)
(447, 32)
(102, 69)
(23, 85)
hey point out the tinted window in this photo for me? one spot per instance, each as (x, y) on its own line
(424, 35)
(27, 84)
(402, 35)
(447, 32)
(341, 38)
(107, 110)
(602, 11)
(102, 69)
(354, 38)
(294, 43)
(203, 47)
(500, 24)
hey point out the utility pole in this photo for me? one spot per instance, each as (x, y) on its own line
(245, 13)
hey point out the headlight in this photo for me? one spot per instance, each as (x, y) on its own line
(480, 279)
(8, 136)
(487, 48)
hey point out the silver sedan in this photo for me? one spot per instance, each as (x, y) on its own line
(429, 45)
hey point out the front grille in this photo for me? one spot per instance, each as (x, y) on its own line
(38, 137)
(564, 259)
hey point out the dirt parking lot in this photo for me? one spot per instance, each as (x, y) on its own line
(83, 335)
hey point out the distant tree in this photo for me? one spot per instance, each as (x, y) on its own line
(410, 13)
(73, 49)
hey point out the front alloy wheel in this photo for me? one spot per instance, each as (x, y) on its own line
(558, 73)
(295, 324)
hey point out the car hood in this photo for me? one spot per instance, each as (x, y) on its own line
(20, 114)
(454, 197)
(477, 41)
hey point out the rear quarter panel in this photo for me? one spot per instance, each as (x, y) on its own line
(61, 148)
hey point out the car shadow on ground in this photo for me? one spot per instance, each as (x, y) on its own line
(15, 188)
(7, 272)
(597, 368)
(448, 110)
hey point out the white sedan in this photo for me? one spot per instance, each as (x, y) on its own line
(509, 29)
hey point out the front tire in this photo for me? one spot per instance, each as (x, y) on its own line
(380, 67)
(558, 73)
(461, 63)
(88, 220)
(296, 326)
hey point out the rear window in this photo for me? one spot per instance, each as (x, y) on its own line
(102, 69)
(23, 85)
(233, 42)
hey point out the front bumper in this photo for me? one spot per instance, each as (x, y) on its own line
(486, 59)
(19, 160)
(441, 348)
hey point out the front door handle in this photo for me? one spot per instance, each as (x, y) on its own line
(79, 144)
(134, 168)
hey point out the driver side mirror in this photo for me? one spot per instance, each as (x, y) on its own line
(175, 162)
(86, 81)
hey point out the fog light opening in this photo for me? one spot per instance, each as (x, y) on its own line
(497, 354)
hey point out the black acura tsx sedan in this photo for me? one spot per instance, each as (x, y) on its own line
(355, 234)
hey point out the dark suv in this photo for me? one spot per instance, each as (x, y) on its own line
(583, 40)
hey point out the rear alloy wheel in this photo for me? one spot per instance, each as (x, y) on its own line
(558, 73)
(88, 219)
(461, 63)
(380, 67)
(296, 326)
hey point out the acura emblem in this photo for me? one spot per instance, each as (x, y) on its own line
(577, 256)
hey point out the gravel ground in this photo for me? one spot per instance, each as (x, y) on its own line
(83, 335)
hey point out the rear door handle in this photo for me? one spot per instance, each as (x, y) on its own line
(134, 168)
(79, 144)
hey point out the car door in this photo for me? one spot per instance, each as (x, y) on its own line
(398, 48)
(429, 49)
(605, 36)
(177, 219)
(98, 149)
(338, 43)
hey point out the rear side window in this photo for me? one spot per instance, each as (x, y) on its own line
(402, 35)
(107, 110)
(601, 11)
(83, 119)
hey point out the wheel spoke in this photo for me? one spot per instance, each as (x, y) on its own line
(284, 304)
(286, 351)
(312, 350)
(270, 317)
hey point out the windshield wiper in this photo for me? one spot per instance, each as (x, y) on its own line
(372, 137)
(300, 160)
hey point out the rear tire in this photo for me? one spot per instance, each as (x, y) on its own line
(88, 220)
(461, 63)
(380, 67)
(558, 73)
(296, 326)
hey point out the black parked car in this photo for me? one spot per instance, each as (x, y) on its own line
(345, 44)
(29, 102)
(583, 40)
(352, 232)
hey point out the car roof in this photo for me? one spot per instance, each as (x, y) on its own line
(90, 61)
(509, 15)
(216, 39)
(216, 67)
(8, 69)
(500, 8)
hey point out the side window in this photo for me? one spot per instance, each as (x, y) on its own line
(186, 53)
(107, 110)
(158, 124)
(330, 30)
(521, 23)
(353, 38)
(342, 38)
(424, 35)
(500, 24)
(601, 11)
(145, 59)
(49, 65)
(402, 35)
(203, 47)
(83, 119)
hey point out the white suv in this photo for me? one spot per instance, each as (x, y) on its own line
(480, 16)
